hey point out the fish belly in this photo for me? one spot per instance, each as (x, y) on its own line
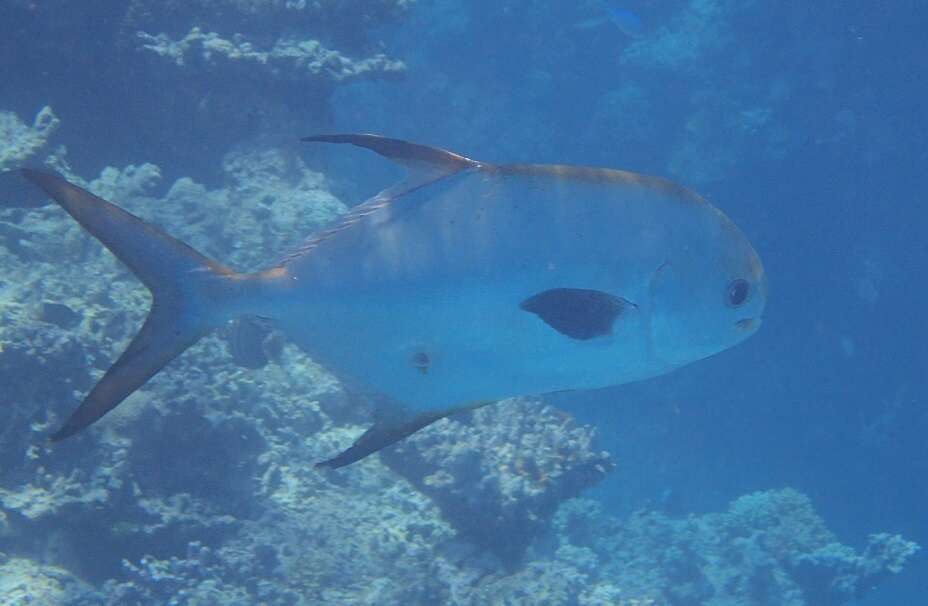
(457, 345)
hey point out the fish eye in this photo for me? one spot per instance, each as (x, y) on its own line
(737, 292)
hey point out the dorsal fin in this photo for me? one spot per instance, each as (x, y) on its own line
(424, 165)
(411, 155)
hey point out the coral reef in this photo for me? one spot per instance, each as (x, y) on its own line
(834, 574)
(343, 21)
(183, 79)
(270, 202)
(187, 493)
(768, 548)
(291, 58)
(20, 141)
(717, 119)
(23, 582)
(700, 29)
(499, 477)
(52, 318)
(200, 488)
(249, 36)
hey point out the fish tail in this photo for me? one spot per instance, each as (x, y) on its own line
(191, 294)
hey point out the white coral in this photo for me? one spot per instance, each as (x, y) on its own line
(298, 57)
(19, 142)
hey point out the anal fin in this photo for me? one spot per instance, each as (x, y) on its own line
(385, 432)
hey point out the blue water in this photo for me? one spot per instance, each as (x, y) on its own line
(804, 122)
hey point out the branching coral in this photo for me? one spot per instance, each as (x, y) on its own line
(500, 477)
(19, 142)
(287, 58)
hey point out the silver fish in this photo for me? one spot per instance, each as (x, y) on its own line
(464, 284)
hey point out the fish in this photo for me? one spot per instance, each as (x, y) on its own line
(464, 284)
(628, 22)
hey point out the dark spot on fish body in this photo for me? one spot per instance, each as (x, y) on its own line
(578, 313)
(421, 361)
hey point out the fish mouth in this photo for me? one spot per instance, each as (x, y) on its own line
(747, 324)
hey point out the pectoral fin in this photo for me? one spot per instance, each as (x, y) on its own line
(391, 430)
(577, 313)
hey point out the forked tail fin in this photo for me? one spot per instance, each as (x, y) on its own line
(190, 294)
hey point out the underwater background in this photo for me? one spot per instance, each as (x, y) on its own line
(792, 469)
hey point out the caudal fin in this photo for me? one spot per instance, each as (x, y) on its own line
(186, 288)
